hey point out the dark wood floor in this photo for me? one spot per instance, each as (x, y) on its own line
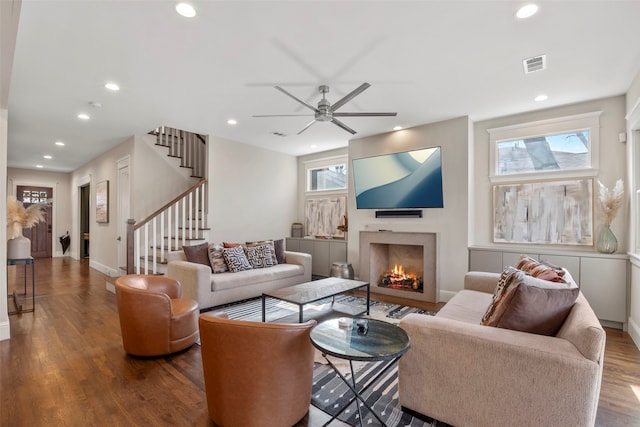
(64, 364)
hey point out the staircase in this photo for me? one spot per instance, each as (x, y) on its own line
(180, 222)
(189, 147)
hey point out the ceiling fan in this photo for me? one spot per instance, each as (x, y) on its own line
(326, 112)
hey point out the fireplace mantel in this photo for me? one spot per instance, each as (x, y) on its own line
(429, 243)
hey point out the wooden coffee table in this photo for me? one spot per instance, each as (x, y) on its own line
(306, 293)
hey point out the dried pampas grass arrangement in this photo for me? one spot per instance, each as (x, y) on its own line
(610, 201)
(19, 217)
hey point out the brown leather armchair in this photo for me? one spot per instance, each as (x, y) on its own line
(256, 374)
(154, 319)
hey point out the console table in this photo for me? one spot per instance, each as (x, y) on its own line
(20, 298)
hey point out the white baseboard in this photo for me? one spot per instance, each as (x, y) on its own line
(634, 331)
(5, 333)
(111, 272)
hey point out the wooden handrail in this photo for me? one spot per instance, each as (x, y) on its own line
(171, 203)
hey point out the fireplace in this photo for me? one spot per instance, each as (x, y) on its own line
(401, 264)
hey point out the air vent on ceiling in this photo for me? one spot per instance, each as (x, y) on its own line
(537, 63)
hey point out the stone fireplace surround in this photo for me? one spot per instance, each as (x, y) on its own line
(371, 264)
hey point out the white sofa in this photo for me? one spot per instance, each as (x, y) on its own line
(210, 290)
(466, 374)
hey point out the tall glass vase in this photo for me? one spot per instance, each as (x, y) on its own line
(607, 242)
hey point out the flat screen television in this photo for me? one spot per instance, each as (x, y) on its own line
(407, 180)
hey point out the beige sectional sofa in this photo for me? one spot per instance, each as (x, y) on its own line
(210, 290)
(466, 374)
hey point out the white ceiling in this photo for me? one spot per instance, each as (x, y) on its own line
(427, 60)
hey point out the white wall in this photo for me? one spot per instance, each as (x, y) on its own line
(633, 159)
(60, 182)
(4, 317)
(612, 164)
(9, 16)
(253, 192)
(450, 222)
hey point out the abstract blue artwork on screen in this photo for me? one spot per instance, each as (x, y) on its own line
(407, 180)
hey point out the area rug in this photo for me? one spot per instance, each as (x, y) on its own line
(329, 392)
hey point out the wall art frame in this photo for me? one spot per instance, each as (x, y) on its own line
(102, 202)
(323, 215)
(558, 212)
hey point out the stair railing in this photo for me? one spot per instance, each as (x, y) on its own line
(167, 229)
(188, 146)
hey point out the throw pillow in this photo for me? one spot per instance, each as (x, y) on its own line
(537, 310)
(260, 256)
(236, 259)
(216, 258)
(274, 259)
(509, 276)
(540, 269)
(279, 248)
(198, 254)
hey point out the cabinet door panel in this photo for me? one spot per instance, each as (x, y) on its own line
(480, 260)
(320, 258)
(604, 283)
(293, 245)
(337, 252)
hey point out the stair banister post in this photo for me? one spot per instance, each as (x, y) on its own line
(130, 244)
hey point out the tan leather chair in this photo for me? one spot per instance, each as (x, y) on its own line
(256, 374)
(154, 319)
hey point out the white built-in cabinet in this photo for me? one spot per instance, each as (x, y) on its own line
(603, 278)
(324, 252)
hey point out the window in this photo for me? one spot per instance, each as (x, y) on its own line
(554, 148)
(330, 176)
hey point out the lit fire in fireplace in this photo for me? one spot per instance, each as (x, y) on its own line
(397, 278)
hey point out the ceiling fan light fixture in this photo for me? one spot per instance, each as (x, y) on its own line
(186, 9)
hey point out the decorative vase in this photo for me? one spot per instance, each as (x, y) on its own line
(19, 248)
(607, 242)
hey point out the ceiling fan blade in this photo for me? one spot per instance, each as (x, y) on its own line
(348, 97)
(299, 100)
(343, 126)
(282, 115)
(307, 126)
(364, 114)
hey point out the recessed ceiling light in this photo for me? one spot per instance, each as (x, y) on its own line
(527, 11)
(540, 98)
(39, 166)
(314, 146)
(186, 10)
(112, 86)
(83, 116)
(397, 128)
(232, 122)
(60, 143)
(47, 156)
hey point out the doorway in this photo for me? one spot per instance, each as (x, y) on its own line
(85, 203)
(41, 234)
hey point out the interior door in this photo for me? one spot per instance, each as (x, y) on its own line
(41, 234)
(123, 209)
